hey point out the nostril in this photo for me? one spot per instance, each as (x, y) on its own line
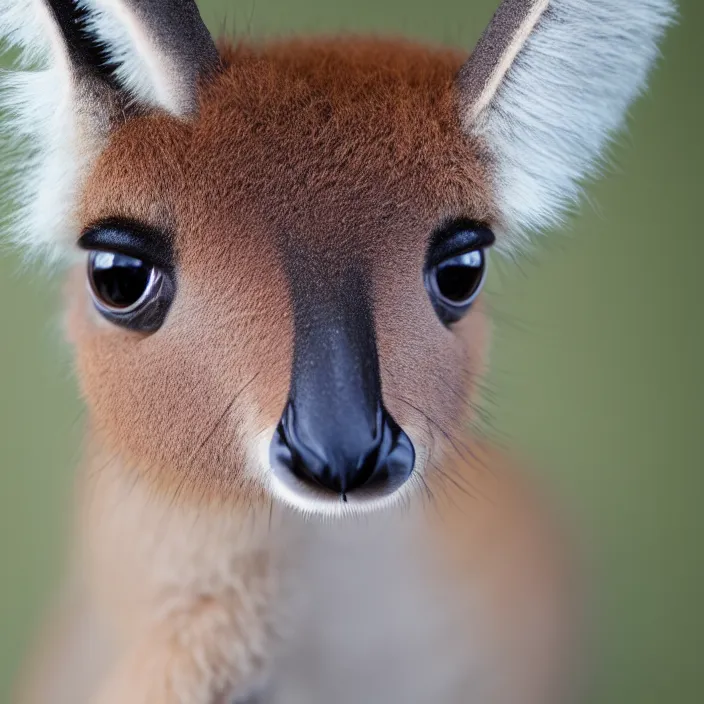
(377, 459)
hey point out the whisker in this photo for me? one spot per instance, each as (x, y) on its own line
(228, 408)
(221, 418)
(93, 473)
(271, 511)
(459, 450)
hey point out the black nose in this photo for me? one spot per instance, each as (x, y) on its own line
(377, 456)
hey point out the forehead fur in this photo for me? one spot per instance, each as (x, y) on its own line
(299, 129)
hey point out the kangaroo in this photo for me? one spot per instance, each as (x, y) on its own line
(274, 258)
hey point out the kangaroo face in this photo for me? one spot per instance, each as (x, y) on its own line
(285, 246)
(321, 230)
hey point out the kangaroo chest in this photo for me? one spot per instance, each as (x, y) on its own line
(379, 623)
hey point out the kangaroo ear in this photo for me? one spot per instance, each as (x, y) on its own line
(93, 64)
(160, 48)
(547, 87)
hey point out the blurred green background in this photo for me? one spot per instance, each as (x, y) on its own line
(597, 358)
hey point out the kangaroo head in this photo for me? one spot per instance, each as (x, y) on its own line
(284, 246)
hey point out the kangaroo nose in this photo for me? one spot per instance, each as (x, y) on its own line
(376, 456)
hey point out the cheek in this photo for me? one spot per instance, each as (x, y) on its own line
(474, 334)
(150, 400)
(430, 373)
(190, 399)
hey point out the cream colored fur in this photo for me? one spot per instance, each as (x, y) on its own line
(182, 607)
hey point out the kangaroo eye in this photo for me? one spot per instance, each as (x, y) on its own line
(456, 270)
(459, 279)
(128, 291)
(120, 283)
(130, 274)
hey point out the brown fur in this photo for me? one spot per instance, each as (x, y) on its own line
(350, 146)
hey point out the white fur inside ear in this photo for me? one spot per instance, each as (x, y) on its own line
(41, 162)
(57, 109)
(562, 100)
(144, 69)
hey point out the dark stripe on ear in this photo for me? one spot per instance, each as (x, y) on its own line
(85, 51)
(180, 31)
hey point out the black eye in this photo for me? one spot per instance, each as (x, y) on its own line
(458, 279)
(120, 283)
(128, 289)
(456, 269)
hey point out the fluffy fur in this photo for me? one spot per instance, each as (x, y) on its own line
(57, 120)
(561, 101)
(39, 129)
(141, 66)
(149, 69)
